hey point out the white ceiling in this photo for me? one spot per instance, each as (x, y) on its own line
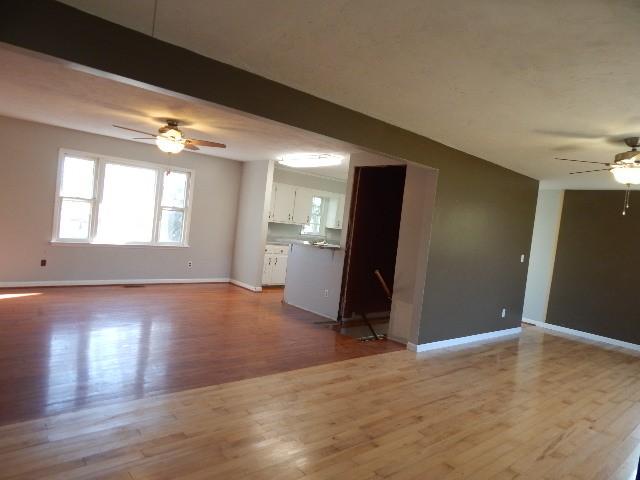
(32, 88)
(339, 172)
(516, 83)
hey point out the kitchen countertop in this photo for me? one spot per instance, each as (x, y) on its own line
(326, 246)
(330, 246)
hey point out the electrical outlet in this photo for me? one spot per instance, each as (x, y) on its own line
(189, 264)
(325, 293)
(522, 258)
(43, 262)
(504, 313)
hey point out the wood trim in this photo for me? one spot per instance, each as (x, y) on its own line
(244, 285)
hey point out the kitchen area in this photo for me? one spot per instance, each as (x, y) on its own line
(294, 222)
(306, 209)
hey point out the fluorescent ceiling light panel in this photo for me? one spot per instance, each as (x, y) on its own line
(311, 160)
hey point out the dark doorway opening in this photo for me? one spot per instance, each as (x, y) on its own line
(372, 244)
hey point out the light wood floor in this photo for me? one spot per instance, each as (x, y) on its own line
(541, 407)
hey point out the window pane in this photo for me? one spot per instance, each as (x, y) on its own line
(175, 189)
(77, 178)
(128, 204)
(171, 223)
(315, 219)
(75, 216)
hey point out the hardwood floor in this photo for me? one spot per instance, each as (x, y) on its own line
(67, 348)
(538, 407)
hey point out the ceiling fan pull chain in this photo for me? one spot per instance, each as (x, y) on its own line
(626, 199)
(155, 14)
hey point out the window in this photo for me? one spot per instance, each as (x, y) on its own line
(113, 201)
(316, 219)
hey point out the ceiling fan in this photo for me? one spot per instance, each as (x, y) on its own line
(170, 138)
(625, 167)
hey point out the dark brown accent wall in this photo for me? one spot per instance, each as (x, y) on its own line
(484, 213)
(597, 267)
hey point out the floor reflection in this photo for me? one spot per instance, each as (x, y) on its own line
(6, 296)
(91, 359)
(76, 347)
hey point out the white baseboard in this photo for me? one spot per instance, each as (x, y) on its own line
(581, 334)
(128, 281)
(245, 285)
(424, 347)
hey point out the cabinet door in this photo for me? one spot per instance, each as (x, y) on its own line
(335, 211)
(279, 270)
(272, 202)
(283, 203)
(267, 270)
(340, 212)
(302, 207)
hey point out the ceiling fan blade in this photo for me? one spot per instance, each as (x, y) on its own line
(574, 134)
(581, 161)
(134, 130)
(205, 143)
(590, 171)
(190, 146)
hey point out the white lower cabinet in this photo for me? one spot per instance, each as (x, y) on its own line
(279, 272)
(274, 270)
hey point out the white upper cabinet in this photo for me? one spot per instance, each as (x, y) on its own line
(293, 205)
(272, 202)
(290, 204)
(283, 202)
(335, 211)
(302, 206)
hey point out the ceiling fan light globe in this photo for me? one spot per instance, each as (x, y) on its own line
(627, 175)
(169, 144)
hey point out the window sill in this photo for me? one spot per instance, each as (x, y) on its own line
(58, 243)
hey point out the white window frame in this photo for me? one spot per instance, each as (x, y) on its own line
(98, 186)
(323, 218)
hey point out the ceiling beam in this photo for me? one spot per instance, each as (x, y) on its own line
(111, 50)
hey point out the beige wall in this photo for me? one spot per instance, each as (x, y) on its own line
(28, 169)
(306, 291)
(251, 231)
(543, 254)
(306, 180)
(414, 237)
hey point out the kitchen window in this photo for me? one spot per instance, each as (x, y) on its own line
(104, 200)
(316, 218)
